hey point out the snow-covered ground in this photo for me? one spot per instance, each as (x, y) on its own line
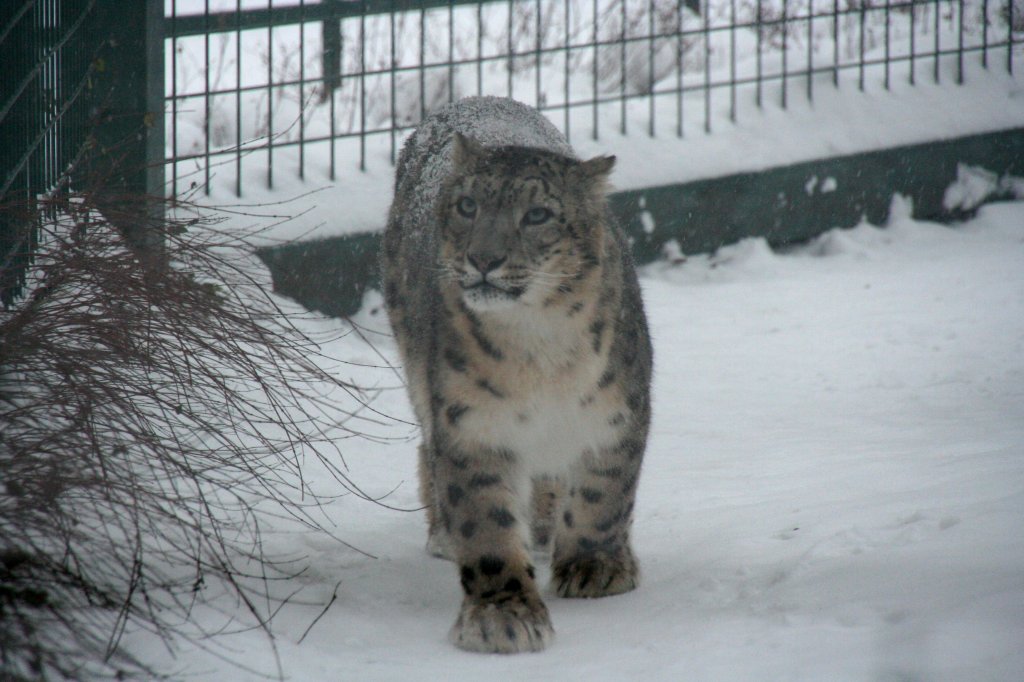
(833, 488)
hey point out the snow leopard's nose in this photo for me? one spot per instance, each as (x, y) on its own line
(485, 262)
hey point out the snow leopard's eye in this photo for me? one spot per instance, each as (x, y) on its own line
(466, 206)
(537, 215)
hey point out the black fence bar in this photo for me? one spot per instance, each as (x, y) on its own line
(238, 99)
(785, 50)
(679, 70)
(1011, 21)
(302, 93)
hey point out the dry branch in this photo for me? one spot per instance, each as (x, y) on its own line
(156, 407)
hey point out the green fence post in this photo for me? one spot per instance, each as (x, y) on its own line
(331, 36)
(127, 101)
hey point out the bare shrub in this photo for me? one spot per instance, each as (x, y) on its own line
(156, 409)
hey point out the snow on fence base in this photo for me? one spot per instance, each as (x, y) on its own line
(785, 205)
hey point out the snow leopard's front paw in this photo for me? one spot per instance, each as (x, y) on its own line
(596, 575)
(515, 625)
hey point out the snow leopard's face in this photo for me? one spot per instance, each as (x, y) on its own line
(519, 226)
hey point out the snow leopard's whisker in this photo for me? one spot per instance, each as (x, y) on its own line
(550, 277)
(446, 273)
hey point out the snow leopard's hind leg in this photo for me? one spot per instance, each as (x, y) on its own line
(439, 541)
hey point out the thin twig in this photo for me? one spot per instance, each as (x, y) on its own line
(316, 620)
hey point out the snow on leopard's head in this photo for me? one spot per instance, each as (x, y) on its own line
(520, 226)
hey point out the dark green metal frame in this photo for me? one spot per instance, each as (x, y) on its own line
(792, 204)
(81, 96)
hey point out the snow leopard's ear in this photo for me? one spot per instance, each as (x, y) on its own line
(597, 168)
(593, 174)
(465, 151)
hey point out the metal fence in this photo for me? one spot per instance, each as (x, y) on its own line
(41, 130)
(313, 86)
(73, 103)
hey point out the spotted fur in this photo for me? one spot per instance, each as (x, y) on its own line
(519, 320)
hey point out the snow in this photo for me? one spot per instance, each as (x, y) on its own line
(833, 488)
(974, 185)
(834, 483)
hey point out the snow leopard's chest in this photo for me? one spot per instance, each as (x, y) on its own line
(549, 402)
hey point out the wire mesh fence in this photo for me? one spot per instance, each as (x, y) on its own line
(74, 103)
(46, 66)
(338, 82)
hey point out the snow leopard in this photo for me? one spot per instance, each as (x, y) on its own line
(518, 318)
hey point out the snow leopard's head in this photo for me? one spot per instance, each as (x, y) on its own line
(519, 225)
